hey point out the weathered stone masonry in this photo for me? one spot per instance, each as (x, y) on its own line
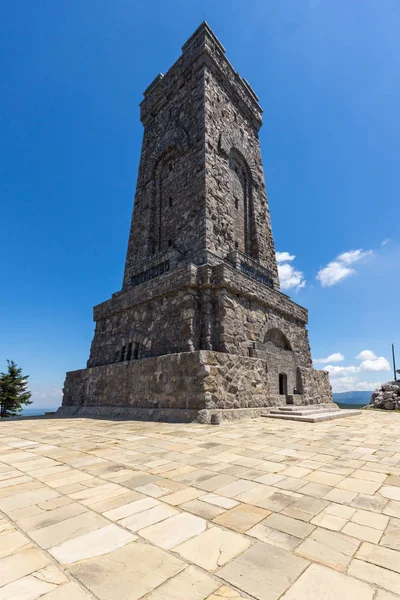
(200, 323)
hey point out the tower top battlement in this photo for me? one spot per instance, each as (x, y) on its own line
(204, 48)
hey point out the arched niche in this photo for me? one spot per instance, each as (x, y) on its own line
(176, 138)
(242, 206)
(167, 186)
(230, 140)
(278, 339)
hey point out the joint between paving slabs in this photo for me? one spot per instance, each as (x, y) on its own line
(63, 570)
(71, 578)
(142, 540)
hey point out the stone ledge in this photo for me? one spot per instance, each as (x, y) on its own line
(233, 414)
(168, 415)
(120, 413)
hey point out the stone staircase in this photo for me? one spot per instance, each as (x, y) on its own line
(311, 413)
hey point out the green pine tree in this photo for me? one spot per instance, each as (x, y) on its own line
(13, 391)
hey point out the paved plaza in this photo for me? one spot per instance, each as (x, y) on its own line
(122, 510)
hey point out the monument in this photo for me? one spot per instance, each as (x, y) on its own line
(200, 325)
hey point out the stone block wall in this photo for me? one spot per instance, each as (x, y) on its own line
(173, 381)
(162, 324)
(234, 173)
(199, 308)
(314, 385)
(190, 381)
(244, 325)
(170, 195)
(235, 381)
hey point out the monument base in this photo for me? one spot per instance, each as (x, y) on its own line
(183, 387)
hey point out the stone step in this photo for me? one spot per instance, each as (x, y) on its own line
(316, 417)
(304, 411)
(315, 407)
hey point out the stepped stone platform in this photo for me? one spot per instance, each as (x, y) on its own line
(311, 414)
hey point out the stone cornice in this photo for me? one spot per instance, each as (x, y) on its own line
(221, 276)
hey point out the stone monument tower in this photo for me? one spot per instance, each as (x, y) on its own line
(200, 323)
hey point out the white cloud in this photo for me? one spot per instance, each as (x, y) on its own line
(348, 258)
(385, 242)
(339, 269)
(335, 370)
(284, 257)
(289, 277)
(378, 364)
(366, 355)
(346, 378)
(351, 384)
(336, 357)
(333, 273)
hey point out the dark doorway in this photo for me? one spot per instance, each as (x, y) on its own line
(282, 384)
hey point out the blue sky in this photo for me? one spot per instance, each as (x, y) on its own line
(72, 76)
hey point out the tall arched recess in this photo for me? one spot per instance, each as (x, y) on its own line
(166, 189)
(278, 339)
(241, 183)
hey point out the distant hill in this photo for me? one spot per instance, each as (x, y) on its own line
(36, 412)
(352, 399)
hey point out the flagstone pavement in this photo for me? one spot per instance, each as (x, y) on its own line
(122, 510)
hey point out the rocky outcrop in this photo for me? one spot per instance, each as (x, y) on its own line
(387, 396)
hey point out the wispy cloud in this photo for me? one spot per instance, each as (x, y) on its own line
(352, 256)
(385, 242)
(289, 277)
(339, 269)
(47, 397)
(336, 357)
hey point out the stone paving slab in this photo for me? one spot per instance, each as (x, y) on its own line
(261, 509)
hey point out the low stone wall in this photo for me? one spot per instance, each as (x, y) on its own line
(171, 381)
(314, 385)
(171, 387)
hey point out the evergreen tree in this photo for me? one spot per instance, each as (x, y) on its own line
(13, 391)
